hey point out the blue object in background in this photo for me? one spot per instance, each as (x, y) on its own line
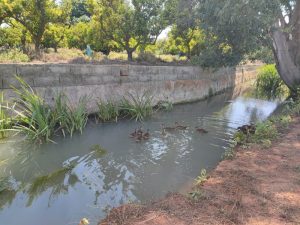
(89, 51)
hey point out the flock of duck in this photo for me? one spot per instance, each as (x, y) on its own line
(141, 135)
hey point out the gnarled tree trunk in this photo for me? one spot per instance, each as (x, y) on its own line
(286, 48)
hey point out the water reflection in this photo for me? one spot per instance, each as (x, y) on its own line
(86, 175)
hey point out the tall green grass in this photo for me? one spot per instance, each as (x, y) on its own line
(6, 120)
(137, 106)
(35, 118)
(108, 111)
(269, 84)
(70, 119)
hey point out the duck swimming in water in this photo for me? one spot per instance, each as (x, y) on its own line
(180, 127)
(201, 130)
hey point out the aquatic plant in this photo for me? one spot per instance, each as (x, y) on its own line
(98, 150)
(108, 111)
(79, 115)
(6, 120)
(165, 105)
(269, 84)
(137, 107)
(35, 118)
(70, 119)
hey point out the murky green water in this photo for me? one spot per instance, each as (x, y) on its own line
(60, 184)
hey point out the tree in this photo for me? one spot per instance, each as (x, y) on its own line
(243, 26)
(54, 36)
(186, 25)
(130, 24)
(80, 11)
(35, 16)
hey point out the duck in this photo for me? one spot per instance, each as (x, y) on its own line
(180, 127)
(133, 134)
(168, 128)
(139, 138)
(201, 130)
(247, 129)
(146, 135)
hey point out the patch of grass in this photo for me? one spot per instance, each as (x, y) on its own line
(14, 56)
(269, 84)
(108, 111)
(195, 194)
(202, 177)
(137, 106)
(228, 154)
(265, 131)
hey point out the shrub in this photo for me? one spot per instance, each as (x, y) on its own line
(13, 55)
(147, 57)
(268, 83)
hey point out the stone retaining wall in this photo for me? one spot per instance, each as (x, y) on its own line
(173, 83)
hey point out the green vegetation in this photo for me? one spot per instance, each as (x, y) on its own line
(202, 177)
(137, 106)
(108, 111)
(32, 117)
(5, 118)
(13, 55)
(269, 83)
(210, 33)
(165, 105)
(265, 132)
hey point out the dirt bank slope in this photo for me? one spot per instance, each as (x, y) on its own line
(260, 186)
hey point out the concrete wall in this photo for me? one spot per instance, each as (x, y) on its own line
(173, 83)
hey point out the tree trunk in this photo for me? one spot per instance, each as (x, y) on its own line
(23, 41)
(37, 49)
(286, 49)
(289, 70)
(129, 54)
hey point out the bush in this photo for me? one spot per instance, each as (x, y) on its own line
(147, 57)
(13, 55)
(268, 83)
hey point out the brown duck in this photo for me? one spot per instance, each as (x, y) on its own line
(201, 130)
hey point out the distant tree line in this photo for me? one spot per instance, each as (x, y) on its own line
(211, 33)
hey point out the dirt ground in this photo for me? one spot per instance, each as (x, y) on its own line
(258, 187)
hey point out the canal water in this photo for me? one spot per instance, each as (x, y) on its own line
(88, 174)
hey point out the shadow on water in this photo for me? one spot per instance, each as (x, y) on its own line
(88, 174)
